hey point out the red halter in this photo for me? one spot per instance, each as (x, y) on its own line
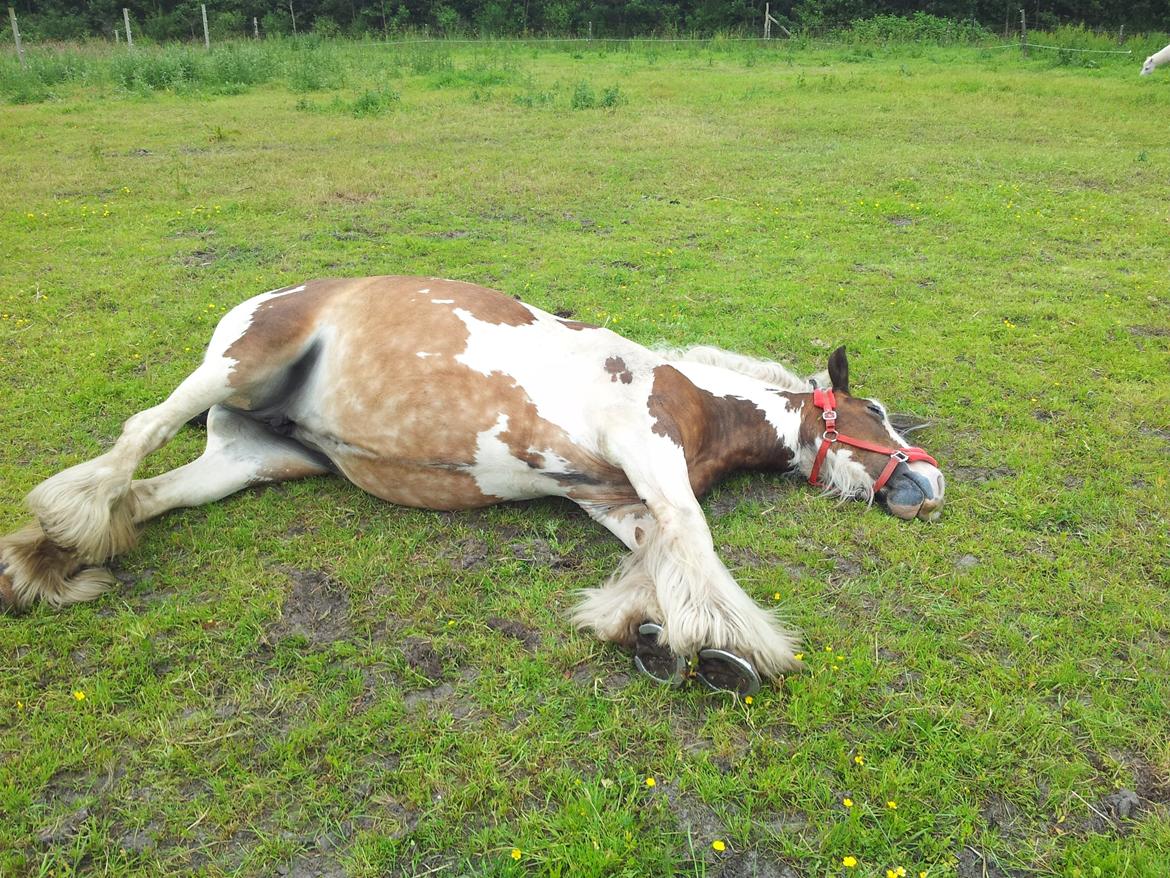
(827, 402)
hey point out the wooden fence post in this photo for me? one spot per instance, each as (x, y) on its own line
(126, 18)
(255, 28)
(206, 35)
(294, 17)
(767, 21)
(16, 36)
(1023, 34)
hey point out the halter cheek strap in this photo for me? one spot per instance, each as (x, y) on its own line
(826, 401)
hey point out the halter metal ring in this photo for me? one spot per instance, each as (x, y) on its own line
(830, 435)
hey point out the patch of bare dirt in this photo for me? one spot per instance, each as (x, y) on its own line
(975, 864)
(421, 656)
(316, 608)
(692, 814)
(420, 698)
(753, 864)
(466, 554)
(1150, 331)
(540, 552)
(312, 866)
(979, 474)
(515, 630)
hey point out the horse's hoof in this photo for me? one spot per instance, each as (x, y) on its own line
(657, 661)
(723, 671)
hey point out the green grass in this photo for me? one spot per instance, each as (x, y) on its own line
(988, 236)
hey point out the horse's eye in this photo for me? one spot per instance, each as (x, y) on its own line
(876, 409)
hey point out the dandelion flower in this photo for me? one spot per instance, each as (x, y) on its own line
(516, 853)
(849, 862)
(799, 656)
(847, 802)
(650, 781)
(747, 699)
(718, 845)
(892, 805)
(859, 759)
(78, 695)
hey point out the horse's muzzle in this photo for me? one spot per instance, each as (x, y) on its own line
(915, 490)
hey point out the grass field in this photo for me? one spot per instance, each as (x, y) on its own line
(305, 681)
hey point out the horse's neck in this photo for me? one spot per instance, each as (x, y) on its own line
(1162, 56)
(747, 424)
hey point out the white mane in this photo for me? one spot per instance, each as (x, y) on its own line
(765, 370)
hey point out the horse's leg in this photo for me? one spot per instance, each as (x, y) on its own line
(240, 452)
(88, 509)
(614, 611)
(701, 604)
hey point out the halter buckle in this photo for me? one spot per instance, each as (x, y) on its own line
(900, 456)
(829, 416)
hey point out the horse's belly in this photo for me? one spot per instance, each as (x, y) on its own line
(445, 486)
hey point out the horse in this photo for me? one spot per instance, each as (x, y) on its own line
(446, 395)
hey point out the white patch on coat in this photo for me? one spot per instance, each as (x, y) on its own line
(442, 301)
(422, 355)
(562, 371)
(498, 473)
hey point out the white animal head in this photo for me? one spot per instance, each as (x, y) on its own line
(1162, 56)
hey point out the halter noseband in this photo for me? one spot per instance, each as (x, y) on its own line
(827, 403)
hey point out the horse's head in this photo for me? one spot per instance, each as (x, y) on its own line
(854, 451)
(1148, 67)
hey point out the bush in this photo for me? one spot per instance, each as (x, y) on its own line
(583, 96)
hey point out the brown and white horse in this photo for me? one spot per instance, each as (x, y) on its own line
(446, 395)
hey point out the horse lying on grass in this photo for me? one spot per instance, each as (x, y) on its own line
(444, 395)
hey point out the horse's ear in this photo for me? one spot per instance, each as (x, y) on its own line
(839, 370)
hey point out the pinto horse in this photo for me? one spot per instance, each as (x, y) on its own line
(445, 395)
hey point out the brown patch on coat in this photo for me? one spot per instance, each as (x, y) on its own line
(578, 325)
(618, 371)
(718, 434)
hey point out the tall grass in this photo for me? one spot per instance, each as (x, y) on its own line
(310, 64)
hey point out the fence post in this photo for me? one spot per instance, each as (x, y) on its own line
(591, 31)
(206, 35)
(126, 18)
(767, 20)
(1023, 34)
(294, 17)
(16, 36)
(255, 28)
(1121, 35)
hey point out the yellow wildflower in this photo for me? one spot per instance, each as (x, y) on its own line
(799, 656)
(516, 853)
(718, 845)
(849, 862)
(892, 805)
(747, 699)
(859, 759)
(79, 695)
(847, 802)
(650, 781)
